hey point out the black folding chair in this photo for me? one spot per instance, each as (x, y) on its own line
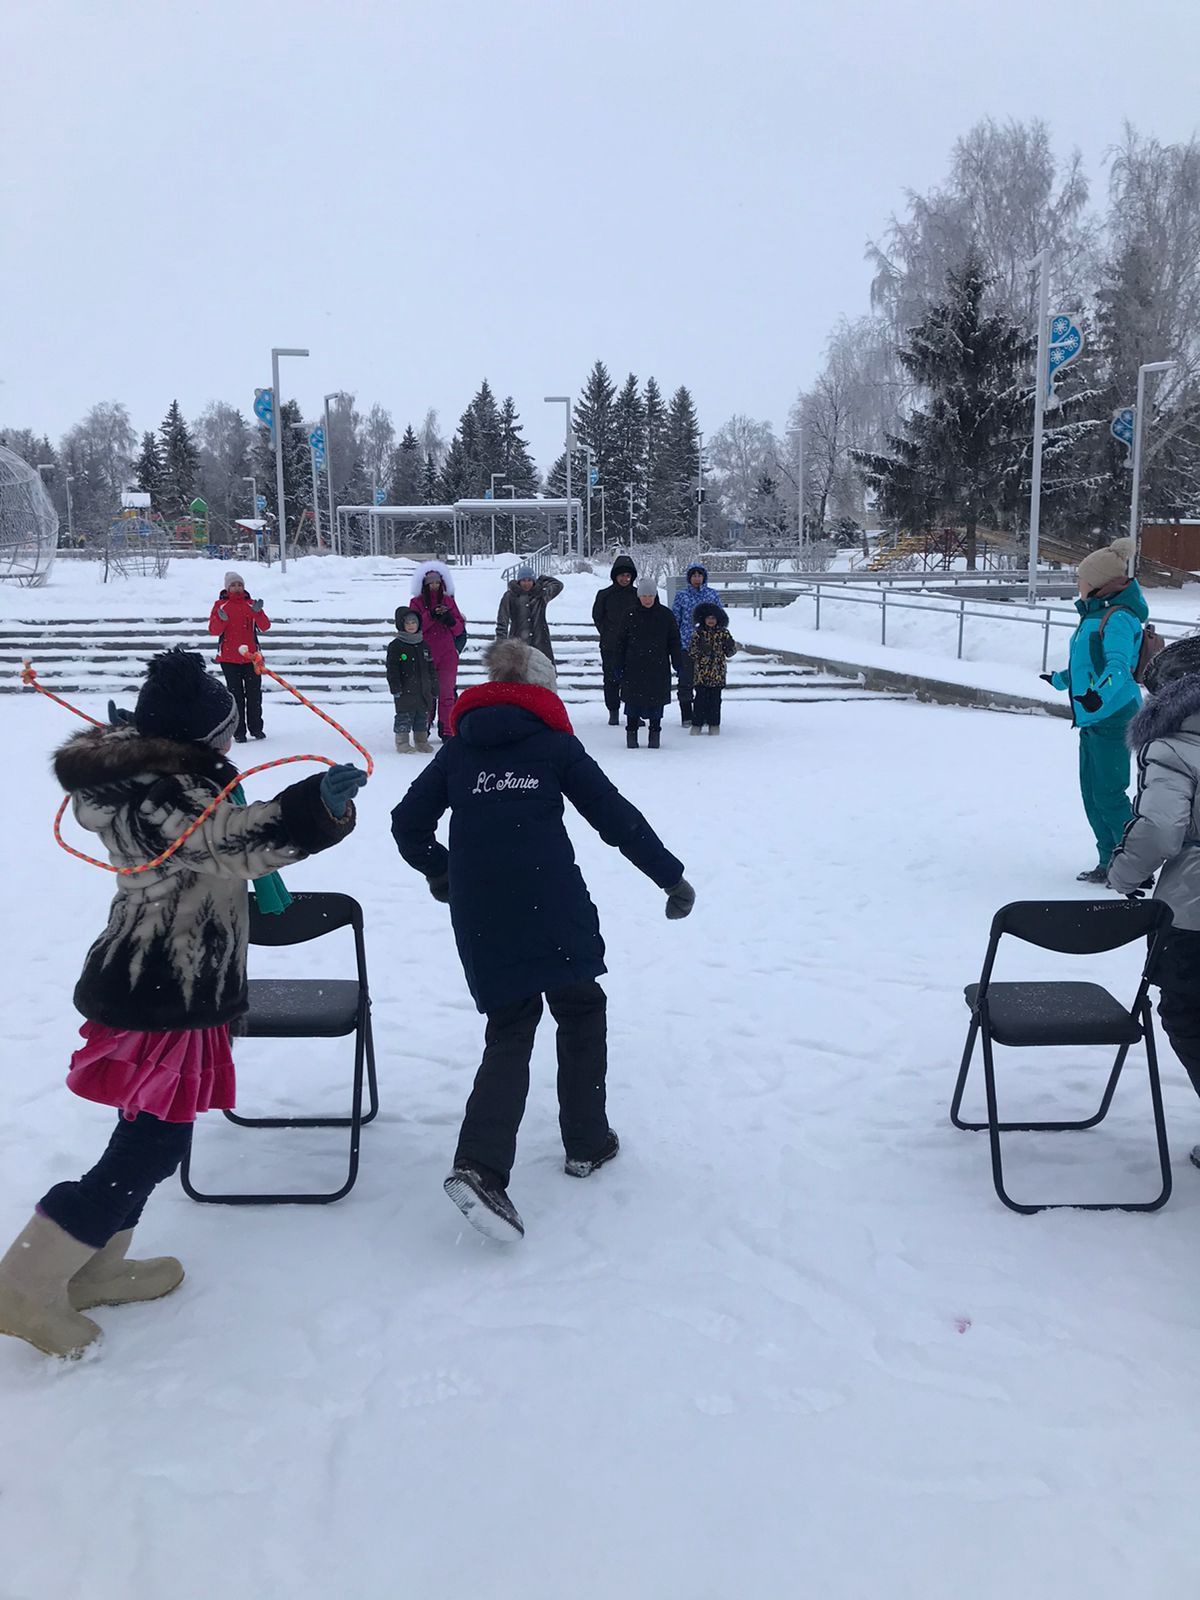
(1022, 1015)
(308, 1008)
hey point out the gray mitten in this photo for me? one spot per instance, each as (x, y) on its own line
(680, 900)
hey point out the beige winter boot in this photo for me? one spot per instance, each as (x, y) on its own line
(403, 748)
(109, 1279)
(34, 1300)
(424, 748)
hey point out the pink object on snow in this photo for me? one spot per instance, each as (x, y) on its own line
(174, 1076)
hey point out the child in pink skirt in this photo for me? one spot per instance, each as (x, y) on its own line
(160, 986)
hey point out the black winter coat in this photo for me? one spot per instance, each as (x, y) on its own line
(523, 919)
(610, 611)
(411, 675)
(174, 952)
(523, 616)
(649, 648)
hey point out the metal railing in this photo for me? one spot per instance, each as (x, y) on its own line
(540, 560)
(955, 611)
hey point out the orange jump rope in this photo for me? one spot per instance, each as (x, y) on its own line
(30, 680)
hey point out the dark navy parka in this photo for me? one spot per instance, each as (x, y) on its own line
(523, 919)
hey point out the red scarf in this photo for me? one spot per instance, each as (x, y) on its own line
(529, 696)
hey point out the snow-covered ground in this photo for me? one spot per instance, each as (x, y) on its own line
(789, 1344)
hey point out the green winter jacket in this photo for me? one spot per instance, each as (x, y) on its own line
(1099, 675)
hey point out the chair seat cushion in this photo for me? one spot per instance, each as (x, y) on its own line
(301, 1008)
(1055, 1013)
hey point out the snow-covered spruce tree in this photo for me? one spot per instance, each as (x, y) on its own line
(595, 425)
(656, 439)
(297, 481)
(959, 455)
(678, 468)
(628, 466)
(148, 471)
(405, 471)
(180, 464)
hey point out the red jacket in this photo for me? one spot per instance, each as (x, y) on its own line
(242, 628)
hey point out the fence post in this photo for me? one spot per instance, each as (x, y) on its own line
(962, 615)
(818, 587)
(883, 619)
(1046, 640)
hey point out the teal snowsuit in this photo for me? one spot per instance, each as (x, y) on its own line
(1104, 699)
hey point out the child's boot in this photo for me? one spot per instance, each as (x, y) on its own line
(403, 747)
(697, 727)
(110, 1279)
(714, 729)
(35, 1302)
(423, 746)
(631, 733)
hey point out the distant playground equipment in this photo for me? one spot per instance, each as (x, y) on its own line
(28, 523)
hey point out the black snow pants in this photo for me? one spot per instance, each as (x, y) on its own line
(245, 686)
(110, 1198)
(706, 707)
(497, 1103)
(610, 662)
(1177, 974)
(687, 679)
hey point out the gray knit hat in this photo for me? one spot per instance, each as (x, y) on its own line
(525, 571)
(514, 661)
(234, 577)
(647, 586)
(1105, 566)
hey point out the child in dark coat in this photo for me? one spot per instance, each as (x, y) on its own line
(711, 647)
(413, 681)
(523, 920)
(160, 986)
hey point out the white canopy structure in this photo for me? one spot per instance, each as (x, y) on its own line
(459, 515)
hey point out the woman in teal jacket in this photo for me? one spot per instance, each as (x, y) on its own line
(1104, 696)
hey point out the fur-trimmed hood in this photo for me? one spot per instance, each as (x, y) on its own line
(102, 756)
(709, 608)
(1165, 714)
(423, 571)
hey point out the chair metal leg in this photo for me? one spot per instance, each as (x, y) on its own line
(995, 1127)
(321, 1122)
(961, 1083)
(363, 1052)
(1028, 1127)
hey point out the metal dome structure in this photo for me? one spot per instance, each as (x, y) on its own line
(28, 523)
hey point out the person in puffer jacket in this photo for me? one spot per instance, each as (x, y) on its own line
(696, 593)
(711, 647)
(1164, 833)
(161, 985)
(1104, 694)
(611, 610)
(236, 621)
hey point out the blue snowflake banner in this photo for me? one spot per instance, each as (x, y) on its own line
(1121, 426)
(1066, 346)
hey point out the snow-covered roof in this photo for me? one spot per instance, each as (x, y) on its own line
(252, 524)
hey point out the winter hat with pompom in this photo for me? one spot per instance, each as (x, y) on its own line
(1105, 566)
(647, 586)
(234, 577)
(180, 700)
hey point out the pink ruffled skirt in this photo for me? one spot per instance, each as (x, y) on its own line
(174, 1076)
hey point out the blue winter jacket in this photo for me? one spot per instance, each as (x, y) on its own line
(523, 919)
(686, 601)
(1100, 668)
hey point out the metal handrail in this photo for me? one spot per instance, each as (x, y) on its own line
(539, 560)
(1017, 611)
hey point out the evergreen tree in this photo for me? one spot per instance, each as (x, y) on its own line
(405, 472)
(180, 464)
(515, 460)
(297, 479)
(959, 457)
(148, 470)
(678, 469)
(595, 426)
(628, 465)
(767, 519)
(656, 435)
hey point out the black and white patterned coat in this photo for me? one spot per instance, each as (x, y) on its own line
(174, 952)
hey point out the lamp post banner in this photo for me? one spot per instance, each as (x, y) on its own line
(1065, 346)
(1122, 427)
(264, 407)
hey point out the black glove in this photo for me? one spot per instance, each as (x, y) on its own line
(680, 900)
(339, 786)
(1090, 701)
(439, 888)
(1047, 677)
(118, 717)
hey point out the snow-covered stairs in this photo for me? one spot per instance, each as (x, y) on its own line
(340, 658)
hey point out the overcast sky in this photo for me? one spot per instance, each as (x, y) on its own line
(428, 194)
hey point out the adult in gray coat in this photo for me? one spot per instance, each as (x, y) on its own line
(522, 613)
(1165, 833)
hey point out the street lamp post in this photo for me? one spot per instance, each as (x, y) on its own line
(335, 532)
(629, 492)
(512, 490)
(565, 400)
(591, 456)
(1042, 262)
(603, 525)
(1136, 494)
(798, 430)
(70, 508)
(492, 484)
(277, 403)
(699, 496)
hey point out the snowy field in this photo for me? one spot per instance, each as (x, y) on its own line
(790, 1344)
